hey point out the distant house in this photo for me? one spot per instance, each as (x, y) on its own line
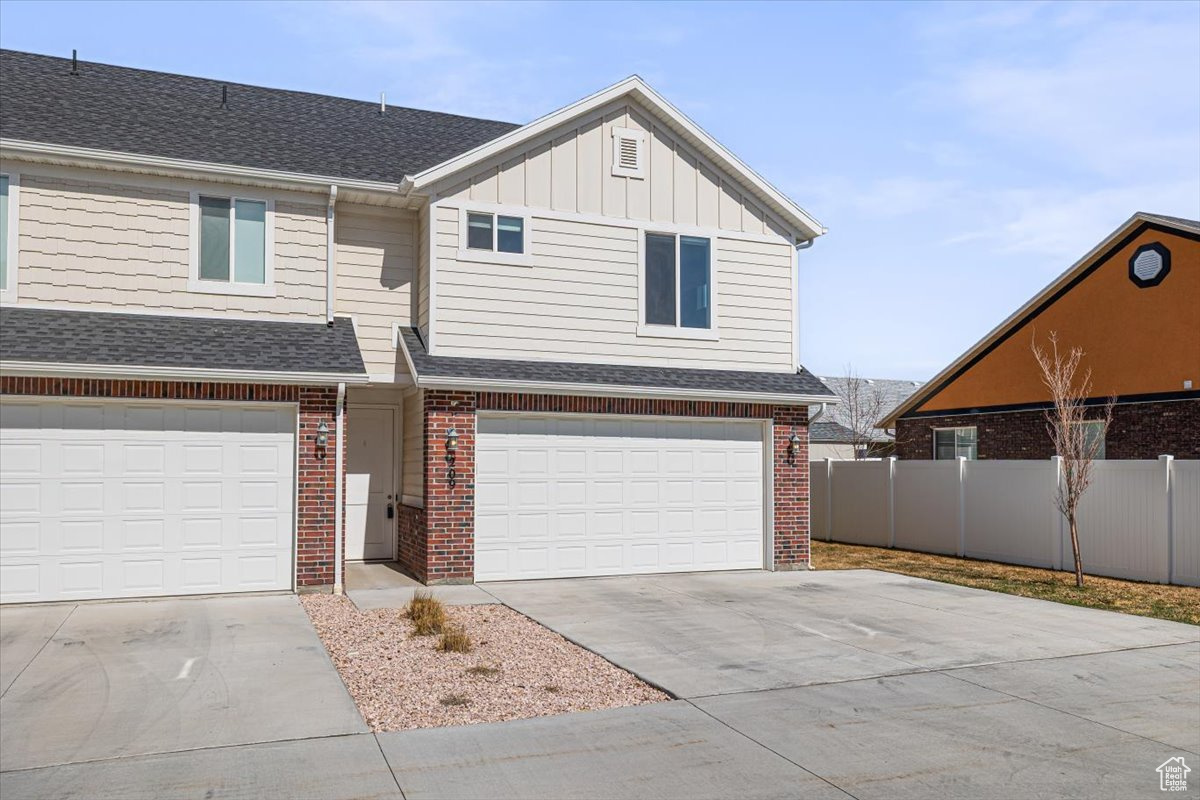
(831, 434)
(1132, 305)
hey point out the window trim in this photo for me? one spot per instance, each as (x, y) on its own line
(494, 256)
(230, 287)
(955, 428)
(8, 294)
(676, 331)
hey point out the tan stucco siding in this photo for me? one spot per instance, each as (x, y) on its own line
(376, 259)
(97, 241)
(413, 453)
(570, 170)
(578, 299)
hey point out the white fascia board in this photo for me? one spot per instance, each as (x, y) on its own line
(87, 156)
(125, 372)
(637, 88)
(607, 390)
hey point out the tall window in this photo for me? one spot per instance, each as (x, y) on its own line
(233, 240)
(951, 443)
(1093, 437)
(678, 281)
(3, 232)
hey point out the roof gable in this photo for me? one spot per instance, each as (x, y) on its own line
(1100, 311)
(655, 107)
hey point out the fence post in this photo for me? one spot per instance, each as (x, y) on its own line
(1169, 463)
(891, 501)
(829, 499)
(1058, 561)
(962, 506)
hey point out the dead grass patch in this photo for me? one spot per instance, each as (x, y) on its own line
(483, 669)
(1174, 603)
(454, 700)
(427, 613)
(454, 640)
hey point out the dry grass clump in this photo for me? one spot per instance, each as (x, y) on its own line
(453, 700)
(427, 613)
(483, 670)
(455, 640)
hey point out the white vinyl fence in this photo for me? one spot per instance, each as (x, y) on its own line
(1138, 519)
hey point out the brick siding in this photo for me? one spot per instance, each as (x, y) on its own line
(437, 545)
(315, 481)
(1138, 431)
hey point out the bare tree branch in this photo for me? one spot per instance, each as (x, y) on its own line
(1077, 436)
(862, 406)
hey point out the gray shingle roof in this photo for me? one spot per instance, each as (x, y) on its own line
(893, 393)
(830, 432)
(174, 116)
(36, 335)
(484, 369)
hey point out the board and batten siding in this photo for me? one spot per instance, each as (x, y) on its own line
(412, 486)
(375, 257)
(570, 170)
(577, 300)
(96, 241)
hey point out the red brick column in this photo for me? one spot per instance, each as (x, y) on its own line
(316, 500)
(449, 509)
(791, 488)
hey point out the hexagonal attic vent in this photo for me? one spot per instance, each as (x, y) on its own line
(1149, 264)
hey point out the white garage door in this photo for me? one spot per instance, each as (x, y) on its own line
(561, 496)
(102, 498)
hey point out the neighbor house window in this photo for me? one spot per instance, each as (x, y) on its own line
(8, 237)
(495, 232)
(678, 281)
(1093, 437)
(951, 443)
(232, 246)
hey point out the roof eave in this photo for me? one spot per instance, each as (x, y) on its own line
(140, 372)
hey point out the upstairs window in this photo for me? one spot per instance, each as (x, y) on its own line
(678, 282)
(950, 443)
(4, 231)
(232, 245)
(495, 232)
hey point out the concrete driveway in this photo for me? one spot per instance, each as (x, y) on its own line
(836, 684)
(823, 685)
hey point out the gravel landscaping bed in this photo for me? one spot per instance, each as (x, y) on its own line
(516, 669)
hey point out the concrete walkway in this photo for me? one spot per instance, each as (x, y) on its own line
(836, 684)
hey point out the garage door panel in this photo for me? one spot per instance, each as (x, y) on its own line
(616, 495)
(126, 499)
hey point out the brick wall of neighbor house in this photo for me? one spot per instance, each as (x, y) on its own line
(1138, 431)
(315, 481)
(436, 544)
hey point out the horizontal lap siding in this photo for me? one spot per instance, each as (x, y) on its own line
(579, 300)
(105, 244)
(376, 258)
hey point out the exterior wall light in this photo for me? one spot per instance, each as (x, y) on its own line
(451, 448)
(793, 447)
(322, 434)
(452, 440)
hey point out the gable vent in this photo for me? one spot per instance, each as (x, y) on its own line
(628, 153)
(1149, 264)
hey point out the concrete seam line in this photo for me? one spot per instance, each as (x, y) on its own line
(388, 764)
(1069, 713)
(157, 753)
(748, 737)
(45, 644)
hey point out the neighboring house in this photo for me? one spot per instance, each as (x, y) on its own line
(250, 334)
(831, 434)
(830, 440)
(1131, 305)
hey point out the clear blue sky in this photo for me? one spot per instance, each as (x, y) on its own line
(961, 155)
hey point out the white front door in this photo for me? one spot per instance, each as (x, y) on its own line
(370, 483)
(574, 495)
(130, 498)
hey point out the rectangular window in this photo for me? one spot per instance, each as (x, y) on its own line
(678, 281)
(1093, 438)
(496, 233)
(3, 232)
(233, 241)
(949, 443)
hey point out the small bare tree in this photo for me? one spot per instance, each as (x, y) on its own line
(862, 406)
(1065, 422)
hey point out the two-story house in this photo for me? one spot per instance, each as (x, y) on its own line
(248, 335)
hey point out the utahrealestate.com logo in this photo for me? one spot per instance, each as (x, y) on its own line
(1172, 775)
